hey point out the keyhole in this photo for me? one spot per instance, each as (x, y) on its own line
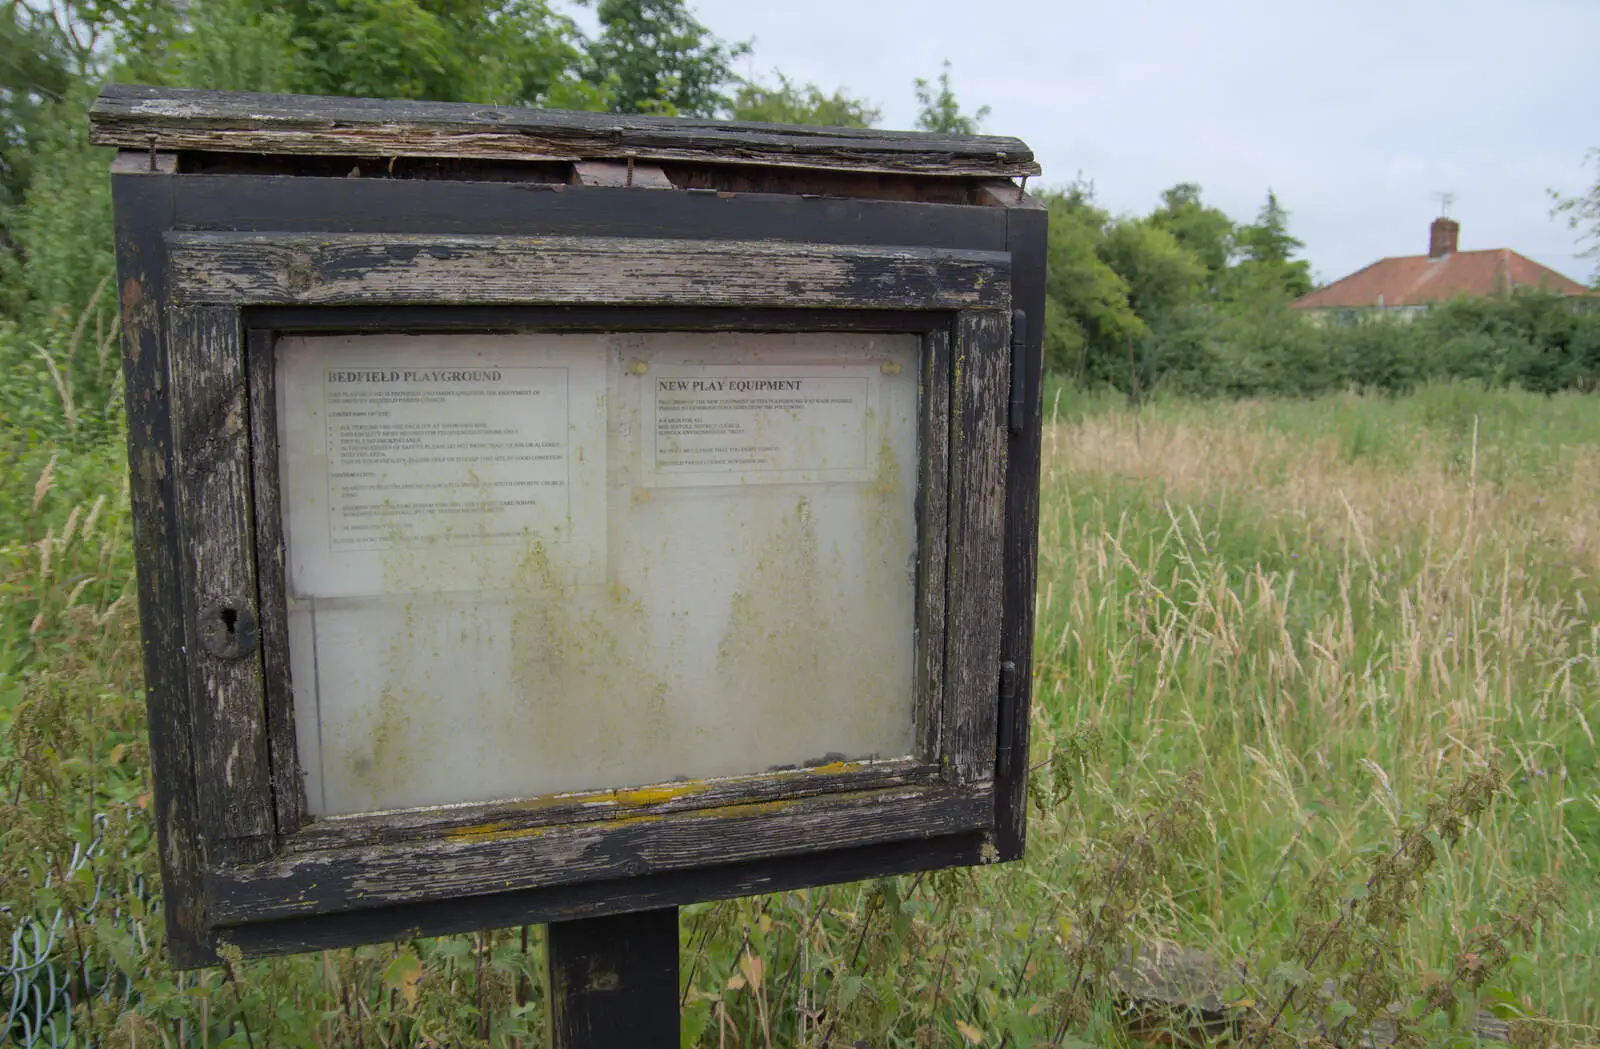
(227, 630)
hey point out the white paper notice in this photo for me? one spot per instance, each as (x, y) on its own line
(732, 424)
(427, 463)
(456, 455)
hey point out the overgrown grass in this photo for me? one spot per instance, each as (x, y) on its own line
(1332, 609)
(1272, 637)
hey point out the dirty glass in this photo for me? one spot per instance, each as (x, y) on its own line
(535, 563)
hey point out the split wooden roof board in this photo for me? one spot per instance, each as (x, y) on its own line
(175, 119)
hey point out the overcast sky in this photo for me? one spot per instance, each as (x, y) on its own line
(1355, 111)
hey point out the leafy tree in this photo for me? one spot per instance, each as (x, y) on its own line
(54, 205)
(47, 48)
(1268, 247)
(240, 45)
(653, 56)
(792, 103)
(36, 68)
(379, 48)
(1165, 282)
(1162, 274)
(1087, 312)
(939, 110)
(1264, 348)
(491, 51)
(1583, 214)
(1206, 231)
(59, 232)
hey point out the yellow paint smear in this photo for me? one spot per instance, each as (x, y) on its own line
(493, 832)
(641, 796)
(833, 767)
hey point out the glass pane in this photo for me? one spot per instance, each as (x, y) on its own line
(527, 564)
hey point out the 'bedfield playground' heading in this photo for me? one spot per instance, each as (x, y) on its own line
(380, 376)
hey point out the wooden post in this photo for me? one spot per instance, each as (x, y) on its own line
(1133, 377)
(614, 981)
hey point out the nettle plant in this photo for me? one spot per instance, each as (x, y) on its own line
(1130, 862)
(1342, 973)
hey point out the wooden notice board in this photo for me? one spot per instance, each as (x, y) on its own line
(546, 516)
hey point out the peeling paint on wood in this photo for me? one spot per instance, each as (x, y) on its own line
(354, 269)
(503, 861)
(212, 454)
(593, 806)
(614, 981)
(977, 521)
(142, 207)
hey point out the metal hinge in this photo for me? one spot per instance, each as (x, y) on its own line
(1008, 718)
(1019, 371)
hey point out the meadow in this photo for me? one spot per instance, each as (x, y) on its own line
(1316, 692)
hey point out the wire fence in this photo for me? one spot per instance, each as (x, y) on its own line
(44, 975)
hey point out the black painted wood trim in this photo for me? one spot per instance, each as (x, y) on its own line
(288, 781)
(656, 802)
(265, 321)
(272, 203)
(185, 203)
(561, 903)
(979, 392)
(211, 445)
(933, 546)
(1028, 229)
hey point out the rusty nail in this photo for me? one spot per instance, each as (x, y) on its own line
(152, 152)
(1022, 190)
(630, 170)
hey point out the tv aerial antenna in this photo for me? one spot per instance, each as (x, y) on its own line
(1445, 200)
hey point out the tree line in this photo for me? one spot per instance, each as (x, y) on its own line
(1186, 300)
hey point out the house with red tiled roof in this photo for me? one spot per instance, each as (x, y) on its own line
(1409, 284)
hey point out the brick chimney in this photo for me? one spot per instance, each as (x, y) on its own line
(1442, 237)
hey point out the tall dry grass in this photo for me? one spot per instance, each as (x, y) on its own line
(1330, 637)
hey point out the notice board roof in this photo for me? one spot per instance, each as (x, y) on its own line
(182, 120)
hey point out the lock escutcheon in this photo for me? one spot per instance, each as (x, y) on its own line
(228, 629)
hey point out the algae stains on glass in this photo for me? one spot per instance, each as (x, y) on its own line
(382, 768)
(771, 652)
(813, 668)
(891, 530)
(585, 700)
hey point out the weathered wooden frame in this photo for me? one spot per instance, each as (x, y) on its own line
(272, 866)
(212, 264)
